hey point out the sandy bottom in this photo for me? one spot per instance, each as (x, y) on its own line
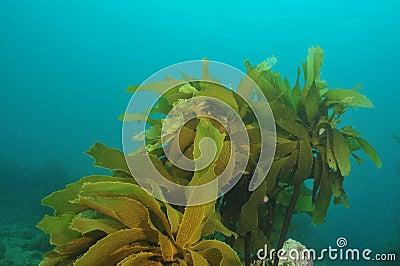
(21, 243)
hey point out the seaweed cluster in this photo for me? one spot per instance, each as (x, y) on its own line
(110, 220)
(121, 223)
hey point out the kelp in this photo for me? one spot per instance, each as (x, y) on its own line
(110, 220)
(309, 116)
(313, 123)
(310, 145)
(109, 158)
(132, 224)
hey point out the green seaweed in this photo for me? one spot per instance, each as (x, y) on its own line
(109, 219)
(132, 222)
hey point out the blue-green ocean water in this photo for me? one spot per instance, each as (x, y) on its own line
(64, 66)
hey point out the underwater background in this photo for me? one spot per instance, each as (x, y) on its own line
(64, 66)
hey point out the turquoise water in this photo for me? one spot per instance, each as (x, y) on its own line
(64, 66)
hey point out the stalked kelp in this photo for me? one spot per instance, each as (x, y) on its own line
(309, 145)
(109, 220)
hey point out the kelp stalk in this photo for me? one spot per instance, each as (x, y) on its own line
(288, 217)
(247, 259)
